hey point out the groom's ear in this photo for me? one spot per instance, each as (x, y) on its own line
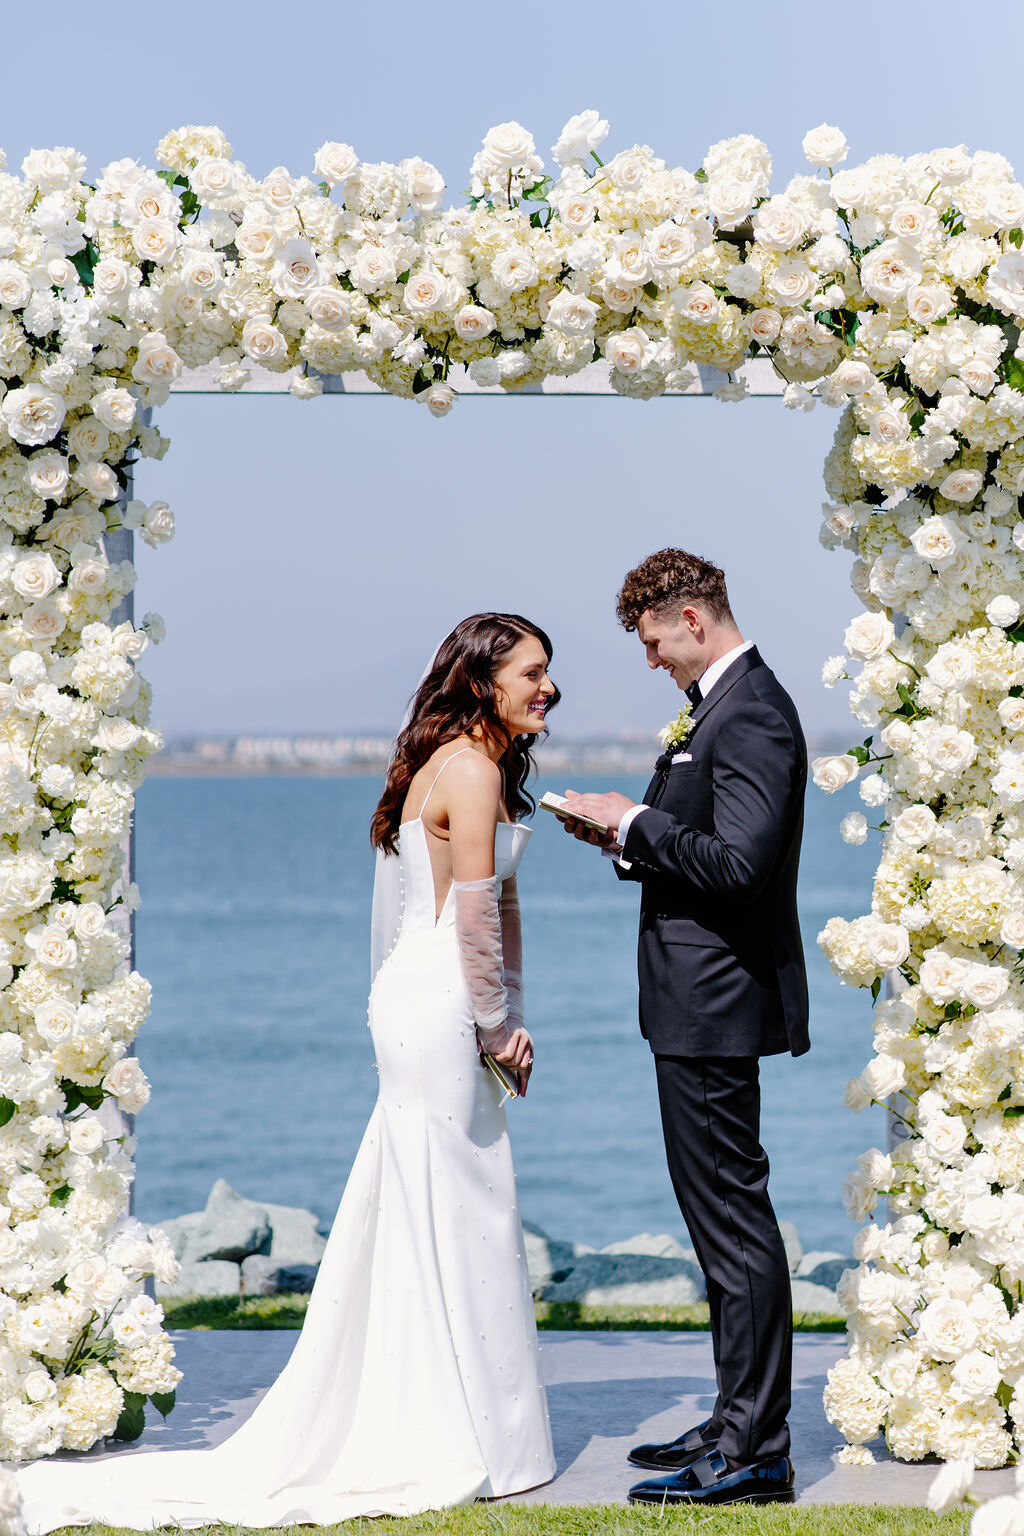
(692, 618)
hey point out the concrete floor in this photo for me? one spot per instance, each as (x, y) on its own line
(606, 1391)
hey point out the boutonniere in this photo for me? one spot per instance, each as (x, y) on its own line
(675, 733)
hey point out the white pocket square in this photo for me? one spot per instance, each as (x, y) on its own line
(683, 757)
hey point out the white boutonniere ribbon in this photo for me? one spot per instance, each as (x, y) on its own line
(675, 733)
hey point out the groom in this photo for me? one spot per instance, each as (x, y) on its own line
(715, 846)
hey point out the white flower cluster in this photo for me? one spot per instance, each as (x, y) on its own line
(925, 480)
(79, 1341)
(893, 290)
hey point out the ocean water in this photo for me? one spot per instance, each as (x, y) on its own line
(254, 933)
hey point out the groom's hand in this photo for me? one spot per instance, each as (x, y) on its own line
(608, 808)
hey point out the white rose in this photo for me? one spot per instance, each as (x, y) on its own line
(764, 325)
(1005, 282)
(85, 1136)
(473, 322)
(157, 362)
(425, 183)
(257, 238)
(832, 773)
(869, 635)
(89, 574)
(15, 287)
(98, 480)
(330, 308)
(53, 946)
(625, 350)
(278, 189)
(729, 200)
(792, 282)
(438, 399)
(296, 270)
(55, 1021)
(508, 146)
(950, 750)
(946, 1329)
(155, 240)
(112, 278)
(979, 376)
(35, 576)
(26, 1193)
(883, 1076)
(962, 484)
(779, 224)
(580, 137)
(824, 145)
(47, 475)
(157, 524)
(115, 408)
(90, 919)
(374, 267)
(1012, 930)
(43, 620)
(1003, 612)
(262, 341)
(888, 945)
(927, 302)
(938, 541)
(514, 269)
(697, 303)
(114, 734)
(335, 162)
(942, 976)
(915, 826)
(951, 1484)
(33, 414)
(984, 985)
(950, 165)
(425, 292)
(852, 377)
(944, 1135)
(889, 270)
(129, 1085)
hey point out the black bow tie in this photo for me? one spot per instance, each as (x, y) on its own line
(693, 693)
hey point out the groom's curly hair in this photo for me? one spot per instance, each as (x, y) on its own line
(667, 581)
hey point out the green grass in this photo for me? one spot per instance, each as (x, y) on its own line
(620, 1520)
(288, 1312)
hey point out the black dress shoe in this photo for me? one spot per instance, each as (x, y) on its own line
(676, 1454)
(708, 1480)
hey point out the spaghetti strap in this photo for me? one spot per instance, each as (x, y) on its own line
(438, 774)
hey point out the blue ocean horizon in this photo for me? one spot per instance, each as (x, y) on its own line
(254, 931)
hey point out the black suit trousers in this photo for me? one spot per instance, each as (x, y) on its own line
(711, 1110)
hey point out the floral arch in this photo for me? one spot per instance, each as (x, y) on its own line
(892, 290)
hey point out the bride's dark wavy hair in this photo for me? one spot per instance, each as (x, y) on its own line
(458, 694)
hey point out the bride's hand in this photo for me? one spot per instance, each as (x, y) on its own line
(518, 1054)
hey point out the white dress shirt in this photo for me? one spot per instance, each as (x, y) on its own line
(707, 680)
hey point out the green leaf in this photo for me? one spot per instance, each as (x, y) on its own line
(651, 290)
(876, 987)
(1013, 1112)
(1004, 1095)
(8, 1110)
(76, 1094)
(163, 1402)
(84, 263)
(133, 1417)
(1014, 371)
(700, 175)
(403, 277)
(951, 1011)
(1004, 1394)
(1015, 237)
(61, 1196)
(860, 753)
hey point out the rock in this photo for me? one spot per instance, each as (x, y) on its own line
(794, 1247)
(808, 1297)
(824, 1268)
(629, 1279)
(661, 1246)
(209, 1277)
(231, 1227)
(294, 1238)
(547, 1259)
(263, 1275)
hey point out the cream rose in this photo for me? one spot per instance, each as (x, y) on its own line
(915, 826)
(85, 1136)
(425, 293)
(764, 325)
(473, 322)
(869, 635)
(33, 415)
(55, 1021)
(962, 484)
(625, 350)
(335, 163)
(581, 136)
(945, 1329)
(832, 773)
(942, 976)
(155, 240)
(47, 475)
(35, 576)
(157, 524)
(157, 362)
(129, 1085)
(262, 341)
(825, 145)
(115, 408)
(938, 541)
(698, 304)
(43, 620)
(853, 377)
(257, 239)
(330, 308)
(927, 302)
(779, 224)
(514, 269)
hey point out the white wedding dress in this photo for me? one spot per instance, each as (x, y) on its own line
(414, 1383)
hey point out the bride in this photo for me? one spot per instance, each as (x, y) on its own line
(414, 1383)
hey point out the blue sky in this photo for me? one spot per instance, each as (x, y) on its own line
(323, 547)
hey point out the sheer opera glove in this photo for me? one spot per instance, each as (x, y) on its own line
(478, 932)
(512, 951)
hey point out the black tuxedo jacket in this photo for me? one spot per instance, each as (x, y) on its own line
(720, 959)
